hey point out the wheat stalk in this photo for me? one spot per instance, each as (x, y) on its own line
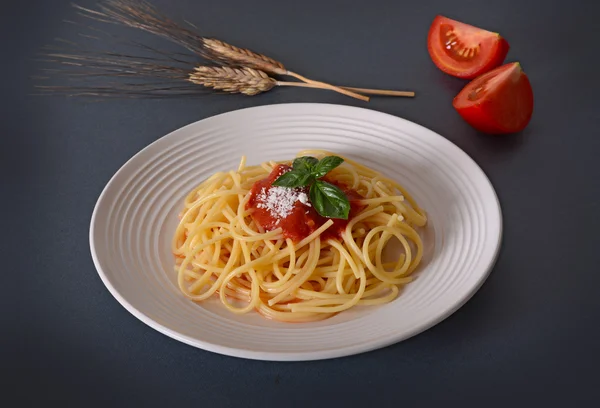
(230, 54)
(142, 15)
(168, 80)
(245, 71)
(248, 81)
(139, 14)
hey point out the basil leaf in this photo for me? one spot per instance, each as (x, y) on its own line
(292, 179)
(329, 200)
(305, 163)
(316, 198)
(325, 165)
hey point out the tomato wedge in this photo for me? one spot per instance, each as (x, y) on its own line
(463, 50)
(498, 102)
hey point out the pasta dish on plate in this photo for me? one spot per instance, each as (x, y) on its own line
(298, 240)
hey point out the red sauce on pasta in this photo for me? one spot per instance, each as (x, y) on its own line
(275, 207)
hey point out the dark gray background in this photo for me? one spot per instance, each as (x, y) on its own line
(530, 335)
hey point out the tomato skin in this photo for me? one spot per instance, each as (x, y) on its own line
(489, 49)
(498, 102)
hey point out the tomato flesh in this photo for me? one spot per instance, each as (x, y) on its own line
(463, 50)
(498, 102)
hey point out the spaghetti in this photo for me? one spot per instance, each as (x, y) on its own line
(265, 248)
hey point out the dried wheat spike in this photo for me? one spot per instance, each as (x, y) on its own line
(230, 54)
(247, 81)
(140, 14)
(248, 72)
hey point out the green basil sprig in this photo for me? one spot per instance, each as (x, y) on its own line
(329, 200)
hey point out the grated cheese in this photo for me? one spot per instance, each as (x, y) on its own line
(280, 200)
(303, 198)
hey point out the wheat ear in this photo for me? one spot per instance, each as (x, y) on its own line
(230, 54)
(142, 15)
(247, 81)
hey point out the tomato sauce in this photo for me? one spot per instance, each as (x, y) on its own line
(302, 220)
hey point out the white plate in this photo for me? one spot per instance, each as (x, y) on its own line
(135, 217)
